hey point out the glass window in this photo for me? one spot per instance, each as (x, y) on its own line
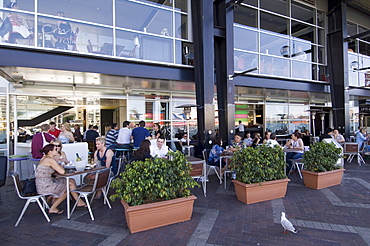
(95, 11)
(265, 65)
(302, 51)
(144, 18)
(303, 31)
(26, 5)
(251, 2)
(321, 36)
(144, 47)
(351, 29)
(323, 74)
(181, 5)
(245, 39)
(274, 23)
(245, 16)
(320, 18)
(303, 12)
(271, 44)
(61, 34)
(244, 61)
(301, 70)
(280, 67)
(136, 108)
(181, 26)
(364, 48)
(17, 28)
(321, 55)
(277, 118)
(280, 7)
(298, 118)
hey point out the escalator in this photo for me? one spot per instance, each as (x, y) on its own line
(43, 117)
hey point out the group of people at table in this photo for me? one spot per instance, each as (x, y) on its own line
(48, 149)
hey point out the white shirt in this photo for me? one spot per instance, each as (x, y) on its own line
(272, 143)
(156, 152)
(124, 136)
(240, 127)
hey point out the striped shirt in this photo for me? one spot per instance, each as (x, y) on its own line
(111, 137)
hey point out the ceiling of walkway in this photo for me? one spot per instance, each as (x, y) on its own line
(360, 5)
(71, 83)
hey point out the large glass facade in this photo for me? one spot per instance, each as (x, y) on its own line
(358, 57)
(134, 29)
(281, 38)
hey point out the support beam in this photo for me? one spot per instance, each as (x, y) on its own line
(338, 64)
(202, 18)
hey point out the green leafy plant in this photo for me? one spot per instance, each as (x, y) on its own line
(260, 164)
(154, 180)
(322, 157)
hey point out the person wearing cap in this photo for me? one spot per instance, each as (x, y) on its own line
(328, 133)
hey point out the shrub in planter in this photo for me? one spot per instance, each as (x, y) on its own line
(156, 192)
(260, 174)
(320, 166)
(260, 164)
(154, 180)
(322, 157)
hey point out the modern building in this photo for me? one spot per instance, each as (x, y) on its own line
(277, 65)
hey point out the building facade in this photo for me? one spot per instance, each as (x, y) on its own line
(275, 65)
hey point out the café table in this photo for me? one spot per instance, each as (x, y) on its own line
(70, 174)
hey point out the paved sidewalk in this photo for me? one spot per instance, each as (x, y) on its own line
(338, 215)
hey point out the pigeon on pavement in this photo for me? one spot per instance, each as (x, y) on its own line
(288, 226)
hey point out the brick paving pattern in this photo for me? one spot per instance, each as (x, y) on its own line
(337, 215)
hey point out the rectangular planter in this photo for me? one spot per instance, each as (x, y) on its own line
(323, 179)
(253, 193)
(153, 215)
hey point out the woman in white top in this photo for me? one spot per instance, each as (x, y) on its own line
(66, 136)
(296, 144)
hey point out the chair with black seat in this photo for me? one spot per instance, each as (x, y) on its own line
(211, 167)
(35, 198)
(100, 183)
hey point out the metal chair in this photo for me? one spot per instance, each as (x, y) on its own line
(18, 188)
(19, 158)
(210, 167)
(100, 182)
(198, 173)
(115, 175)
(297, 164)
(352, 149)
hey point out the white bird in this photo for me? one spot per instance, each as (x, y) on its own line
(288, 226)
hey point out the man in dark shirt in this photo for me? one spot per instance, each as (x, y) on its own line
(328, 134)
(92, 134)
(139, 134)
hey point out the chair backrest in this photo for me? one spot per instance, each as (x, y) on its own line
(101, 179)
(205, 155)
(3, 169)
(351, 148)
(17, 184)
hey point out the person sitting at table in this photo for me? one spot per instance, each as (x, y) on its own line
(338, 137)
(362, 140)
(267, 137)
(105, 155)
(256, 140)
(39, 140)
(295, 144)
(248, 141)
(215, 153)
(271, 142)
(143, 152)
(237, 143)
(159, 149)
(61, 157)
(46, 184)
(77, 133)
(65, 135)
(328, 134)
(184, 142)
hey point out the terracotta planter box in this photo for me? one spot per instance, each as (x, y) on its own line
(322, 180)
(253, 193)
(153, 215)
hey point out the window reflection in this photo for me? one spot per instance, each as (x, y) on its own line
(136, 16)
(244, 61)
(271, 44)
(245, 39)
(274, 23)
(17, 28)
(280, 7)
(303, 12)
(245, 16)
(95, 11)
